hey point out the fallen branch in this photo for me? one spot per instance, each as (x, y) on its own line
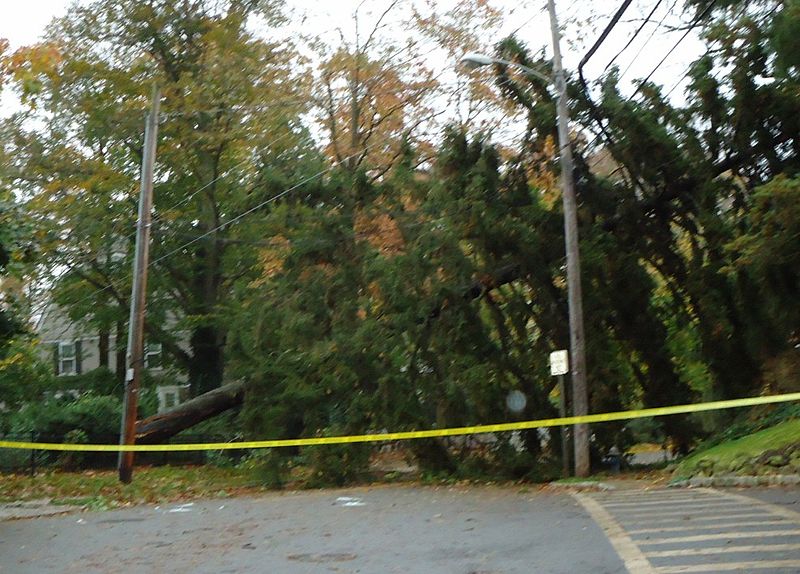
(162, 426)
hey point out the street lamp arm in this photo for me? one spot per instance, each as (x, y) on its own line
(526, 69)
(473, 60)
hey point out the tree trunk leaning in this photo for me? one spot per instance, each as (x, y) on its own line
(164, 425)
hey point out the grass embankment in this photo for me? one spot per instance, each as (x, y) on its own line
(775, 450)
(101, 489)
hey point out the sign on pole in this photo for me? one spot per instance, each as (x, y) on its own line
(559, 362)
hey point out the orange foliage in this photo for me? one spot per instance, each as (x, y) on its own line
(381, 232)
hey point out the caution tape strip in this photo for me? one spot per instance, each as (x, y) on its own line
(410, 435)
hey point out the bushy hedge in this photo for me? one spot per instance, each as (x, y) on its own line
(97, 416)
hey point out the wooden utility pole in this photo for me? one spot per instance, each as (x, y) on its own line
(134, 357)
(580, 397)
(562, 412)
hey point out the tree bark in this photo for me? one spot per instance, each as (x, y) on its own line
(162, 426)
(206, 368)
(103, 347)
(119, 352)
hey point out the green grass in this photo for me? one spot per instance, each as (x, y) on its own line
(101, 489)
(726, 453)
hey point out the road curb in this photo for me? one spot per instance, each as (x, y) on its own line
(34, 509)
(589, 485)
(736, 480)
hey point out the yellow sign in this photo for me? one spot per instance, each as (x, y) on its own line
(410, 435)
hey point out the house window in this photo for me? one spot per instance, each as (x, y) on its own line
(152, 356)
(170, 400)
(67, 358)
(170, 396)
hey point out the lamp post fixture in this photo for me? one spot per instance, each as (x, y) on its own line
(580, 398)
(474, 60)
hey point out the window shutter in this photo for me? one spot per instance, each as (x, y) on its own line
(78, 357)
(55, 359)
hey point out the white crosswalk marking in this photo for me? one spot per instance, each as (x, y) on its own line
(722, 550)
(783, 565)
(704, 530)
(714, 526)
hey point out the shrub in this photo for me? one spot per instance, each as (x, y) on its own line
(268, 467)
(96, 416)
(23, 376)
(71, 460)
(100, 381)
(336, 464)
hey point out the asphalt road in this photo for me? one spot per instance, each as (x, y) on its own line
(394, 529)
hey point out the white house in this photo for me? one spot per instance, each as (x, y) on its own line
(74, 350)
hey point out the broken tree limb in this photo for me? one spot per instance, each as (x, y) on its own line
(483, 284)
(164, 425)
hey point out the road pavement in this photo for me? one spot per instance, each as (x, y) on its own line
(412, 529)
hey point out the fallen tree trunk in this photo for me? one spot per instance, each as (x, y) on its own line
(164, 425)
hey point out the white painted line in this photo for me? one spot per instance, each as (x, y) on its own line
(695, 519)
(690, 526)
(635, 562)
(722, 550)
(731, 566)
(773, 508)
(716, 510)
(649, 492)
(722, 536)
(628, 503)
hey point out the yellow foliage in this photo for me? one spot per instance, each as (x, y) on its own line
(272, 259)
(542, 177)
(30, 65)
(381, 232)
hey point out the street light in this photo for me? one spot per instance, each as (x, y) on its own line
(580, 397)
(472, 60)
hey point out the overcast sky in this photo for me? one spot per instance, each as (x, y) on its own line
(23, 22)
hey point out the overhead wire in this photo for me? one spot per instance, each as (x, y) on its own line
(593, 112)
(633, 37)
(182, 247)
(646, 42)
(695, 22)
(700, 16)
(285, 102)
(280, 195)
(236, 166)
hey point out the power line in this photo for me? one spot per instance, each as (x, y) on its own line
(689, 29)
(634, 35)
(643, 46)
(117, 284)
(599, 42)
(529, 20)
(275, 197)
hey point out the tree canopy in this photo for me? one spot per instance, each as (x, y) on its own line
(377, 275)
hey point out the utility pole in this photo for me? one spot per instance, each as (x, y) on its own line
(580, 398)
(135, 354)
(562, 412)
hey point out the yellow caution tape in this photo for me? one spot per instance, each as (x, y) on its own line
(409, 435)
